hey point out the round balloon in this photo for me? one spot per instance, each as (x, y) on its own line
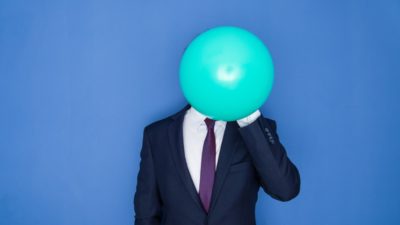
(226, 73)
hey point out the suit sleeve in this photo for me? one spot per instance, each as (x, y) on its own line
(278, 176)
(147, 202)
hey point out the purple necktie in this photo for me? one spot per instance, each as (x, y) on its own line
(207, 165)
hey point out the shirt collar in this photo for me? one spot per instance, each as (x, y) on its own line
(197, 118)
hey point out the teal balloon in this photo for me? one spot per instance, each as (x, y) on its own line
(226, 73)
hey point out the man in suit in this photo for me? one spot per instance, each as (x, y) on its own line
(198, 171)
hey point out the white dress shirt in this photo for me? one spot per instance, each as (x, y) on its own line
(194, 133)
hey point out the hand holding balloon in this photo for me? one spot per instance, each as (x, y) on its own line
(226, 73)
(249, 119)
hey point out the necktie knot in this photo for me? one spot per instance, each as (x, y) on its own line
(210, 123)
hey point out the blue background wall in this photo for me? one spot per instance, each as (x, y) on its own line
(80, 80)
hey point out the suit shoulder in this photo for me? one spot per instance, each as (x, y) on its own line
(161, 124)
(157, 125)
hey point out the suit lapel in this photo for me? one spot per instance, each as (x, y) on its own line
(228, 147)
(175, 133)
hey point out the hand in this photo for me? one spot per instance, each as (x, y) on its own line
(249, 119)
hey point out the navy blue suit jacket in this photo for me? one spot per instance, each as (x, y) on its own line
(251, 157)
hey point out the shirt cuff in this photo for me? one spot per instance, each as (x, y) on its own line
(249, 119)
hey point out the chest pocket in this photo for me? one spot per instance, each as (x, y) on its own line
(242, 166)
